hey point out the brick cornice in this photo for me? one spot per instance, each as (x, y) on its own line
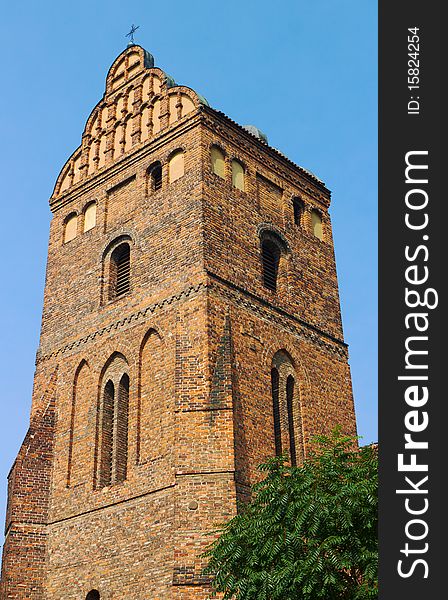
(266, 155)
(243, 298)
(121, 323)
(237, 295)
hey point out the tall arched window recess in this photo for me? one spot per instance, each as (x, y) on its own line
(107, 432)
(120, 271)
(273, 251)
(271, 259)
(298, 210)
(113, 424)
(155, 176)
(286, 409)
(290, 385)
(121, 429)
(275, 381)
(218, 161)
(93, 595)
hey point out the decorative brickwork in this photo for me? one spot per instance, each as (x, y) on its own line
(154, 398)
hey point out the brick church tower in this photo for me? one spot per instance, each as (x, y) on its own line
(191, 329)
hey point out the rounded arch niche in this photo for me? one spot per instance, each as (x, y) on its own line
(286, 408)
(274, 251)
(153, 396)
(113, 422)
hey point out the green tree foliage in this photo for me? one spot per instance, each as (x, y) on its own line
(309, 533)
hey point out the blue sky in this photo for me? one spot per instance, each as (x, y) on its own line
(303, 72)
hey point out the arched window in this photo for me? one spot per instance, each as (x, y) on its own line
(286, 407)
(155, 175)
(122, 418)
(90, 216)
(238, 175)
(107, 434)
(176, 167)
(120, 271)
(270, 254)
(218, 161)
(316, 224)
(275, 378)
(70, 227)
(298, 208)
(113, 437)
(93, 595)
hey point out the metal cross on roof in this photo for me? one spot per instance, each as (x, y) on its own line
(130, 35)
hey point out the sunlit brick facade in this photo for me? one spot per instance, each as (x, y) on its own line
(191, 329)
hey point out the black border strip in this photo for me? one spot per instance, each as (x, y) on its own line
(412, 121)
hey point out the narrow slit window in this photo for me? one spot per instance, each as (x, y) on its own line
(286, 408)
(298, 208)
(270, 258)
(107, 433)
(275, 379)
(155, 174)
(120, 270)
(121, 428)
(290, 410)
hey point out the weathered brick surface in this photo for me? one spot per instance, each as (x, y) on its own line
(24, 551)
(196, 334)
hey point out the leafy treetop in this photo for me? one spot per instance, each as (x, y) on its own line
(310, 532)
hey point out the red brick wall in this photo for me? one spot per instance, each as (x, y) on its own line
(25, 548)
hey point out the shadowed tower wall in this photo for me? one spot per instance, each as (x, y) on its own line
(191, 329)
